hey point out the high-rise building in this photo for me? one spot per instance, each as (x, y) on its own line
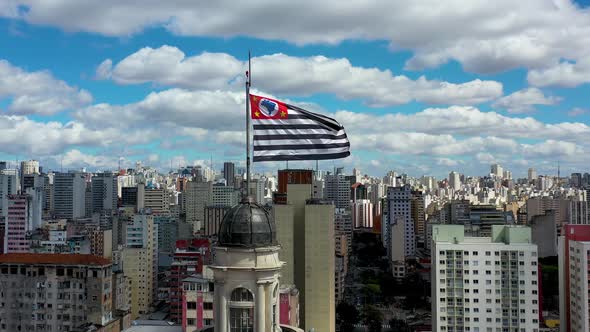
(305, 230)
(544, 229)
(574, 272)
(532, 174)
(129, 197)
(576, 180)
(140, 262)
(157, 200)
(229, 173)
(337, 190)
(8, 186)
(401, 243)
(497, 170)
(485, 284)
(55, 292)
(29, 167)
(455, 181)
(362, 213)
(69, 195)
(223, 195)
(104, 192)
(196, 197)
(418, 213)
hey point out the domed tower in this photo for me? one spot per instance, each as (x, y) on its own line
(246, 269)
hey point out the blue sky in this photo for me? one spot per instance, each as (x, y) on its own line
(420, 88)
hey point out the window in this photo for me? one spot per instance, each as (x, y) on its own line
(241, 319)
(208, 306)
(242, 295)
(191, 306)
(190, 321)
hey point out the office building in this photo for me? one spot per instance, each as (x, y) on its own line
(8, 186)
(337, 190)
(54, 292)
(129, 197)
(223, 195)
(69, 195)
(156, 200)
(573, 257)
(229, 173)
(484, 283)
(104, 192)
(196, 197)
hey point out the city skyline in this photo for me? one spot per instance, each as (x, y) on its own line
(151, 85)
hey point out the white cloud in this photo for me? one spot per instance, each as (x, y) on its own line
(38, 92)
(564, 74)
(447, 162)
(283, 74)
(103, 71)
(576, 111)
(484, 36)
(23, 135)
(76, 159)
(524, 101)
(486, 158)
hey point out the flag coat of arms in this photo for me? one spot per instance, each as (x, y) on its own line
(286, 132)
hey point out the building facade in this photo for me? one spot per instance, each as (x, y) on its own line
(484, 284)
(54, 292)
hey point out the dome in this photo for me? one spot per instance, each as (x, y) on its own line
(247, 225)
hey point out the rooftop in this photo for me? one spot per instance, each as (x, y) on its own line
(54, 259)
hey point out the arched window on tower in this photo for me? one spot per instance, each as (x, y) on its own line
(241, 311)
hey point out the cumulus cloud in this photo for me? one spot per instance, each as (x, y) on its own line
(564, 74)
(21, 134)
(38, 92)
(484, 36)
(77, 159)
(524, 101)
(283, 74)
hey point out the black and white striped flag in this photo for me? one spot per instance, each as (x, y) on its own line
(286, 132)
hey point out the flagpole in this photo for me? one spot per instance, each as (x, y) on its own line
(248, 83)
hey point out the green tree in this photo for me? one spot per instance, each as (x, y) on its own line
(373, 318)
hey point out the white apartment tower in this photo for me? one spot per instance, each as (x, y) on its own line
(455, 181)
(484, 284)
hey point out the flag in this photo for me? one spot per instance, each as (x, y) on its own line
(286, 132)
